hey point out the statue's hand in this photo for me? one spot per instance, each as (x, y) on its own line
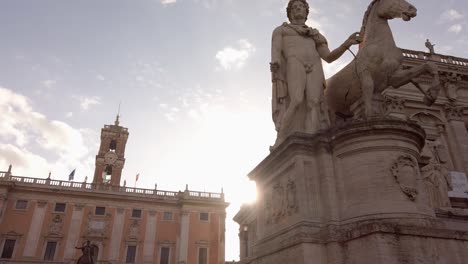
(353, 39)
(274, 66)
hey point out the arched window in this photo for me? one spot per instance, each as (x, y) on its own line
(108, 174)
(113, 145)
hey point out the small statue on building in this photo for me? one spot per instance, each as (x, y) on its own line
(430, 46)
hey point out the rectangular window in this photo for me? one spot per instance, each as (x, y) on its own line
(167, 216)
(202, 256)
(164, 258)
(100, 210)
(131, 254)
(50, 250)
(21, 204)
(136, 213)
(8, 248)
(60, 207)
(204, 216)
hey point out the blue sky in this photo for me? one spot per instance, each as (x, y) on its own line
(192, 75)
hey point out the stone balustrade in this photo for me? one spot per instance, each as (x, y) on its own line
(413, 54)
(91, 187)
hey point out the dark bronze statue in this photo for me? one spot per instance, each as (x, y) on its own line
(89, 253)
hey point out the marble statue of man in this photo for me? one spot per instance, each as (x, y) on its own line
(297, 73)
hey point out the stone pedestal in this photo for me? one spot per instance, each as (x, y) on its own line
(352, 194)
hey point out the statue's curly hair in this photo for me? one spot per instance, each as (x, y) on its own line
(291, 2)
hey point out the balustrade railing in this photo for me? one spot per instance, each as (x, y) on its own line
(104, 187)
(413, 54)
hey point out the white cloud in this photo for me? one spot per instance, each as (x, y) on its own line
(100, 77)
(235, 57)
(457, 28)
(450, 15)
(22, 130)
(88, 102)
(168, 2)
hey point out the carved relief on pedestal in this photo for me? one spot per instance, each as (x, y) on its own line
(394, 107)
(291, 197)
(406, 173)
(281, 202)
(451, 86)
(435, 174)
(453, 112)
(55, 227)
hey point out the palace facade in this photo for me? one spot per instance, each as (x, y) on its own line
(46, 220)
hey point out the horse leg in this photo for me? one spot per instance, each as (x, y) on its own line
(402, 77)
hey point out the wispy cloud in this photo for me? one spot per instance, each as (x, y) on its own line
(457, 28)
(235, 57)
(450, 16)
(87, 102)
(168, 2)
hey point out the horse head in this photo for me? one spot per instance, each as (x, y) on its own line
(390, 9)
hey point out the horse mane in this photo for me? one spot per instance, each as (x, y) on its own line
(366, 18)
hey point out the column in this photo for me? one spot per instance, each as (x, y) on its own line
(184, 236)
(457, 131)
(221, 237)
(150, 238)
(34, 233)
(74, 232)
(116, 237)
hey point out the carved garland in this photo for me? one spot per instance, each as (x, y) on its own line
(405, 172)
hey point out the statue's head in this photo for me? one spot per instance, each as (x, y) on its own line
(291, 5)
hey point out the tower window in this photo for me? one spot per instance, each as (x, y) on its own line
(107, 175)
(113, 145)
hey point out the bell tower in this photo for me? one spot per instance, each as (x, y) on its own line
(110, 159)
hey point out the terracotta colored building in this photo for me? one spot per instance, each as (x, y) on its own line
(43, 220)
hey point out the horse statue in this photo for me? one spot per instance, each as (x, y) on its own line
(378, 64)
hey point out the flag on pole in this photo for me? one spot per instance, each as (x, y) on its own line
(71, 177)
(136, 179)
